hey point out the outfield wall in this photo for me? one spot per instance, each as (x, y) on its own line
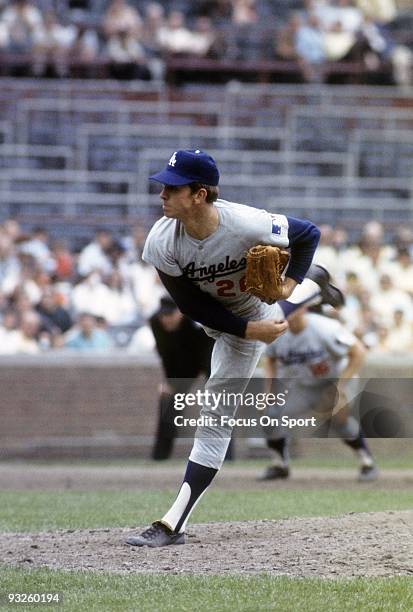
(71, 406)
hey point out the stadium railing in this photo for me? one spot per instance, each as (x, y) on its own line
(351, 145)
(35, 156)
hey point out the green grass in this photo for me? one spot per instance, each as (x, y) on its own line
(102, 592)
(105, 592)
(343, 463)
(48, 510)
(340, 460)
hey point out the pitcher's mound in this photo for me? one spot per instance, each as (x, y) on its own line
(366, 544)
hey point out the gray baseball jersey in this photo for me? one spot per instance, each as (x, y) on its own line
(217, 264)
(313, 355)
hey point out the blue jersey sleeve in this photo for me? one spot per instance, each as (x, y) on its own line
(303, 239)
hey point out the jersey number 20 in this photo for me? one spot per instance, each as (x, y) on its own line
(226, 287)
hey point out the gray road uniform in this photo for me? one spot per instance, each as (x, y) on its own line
(216, 266)
(308, 362)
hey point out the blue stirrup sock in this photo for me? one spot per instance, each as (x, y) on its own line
(196, 481)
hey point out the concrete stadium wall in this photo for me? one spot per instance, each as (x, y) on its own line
(67, 406)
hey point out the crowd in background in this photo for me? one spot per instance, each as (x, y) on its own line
(51, 297)
(133, 40)
(101, 297)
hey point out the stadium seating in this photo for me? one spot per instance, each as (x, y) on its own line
(73, 148)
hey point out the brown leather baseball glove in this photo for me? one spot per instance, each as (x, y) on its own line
(265, 265)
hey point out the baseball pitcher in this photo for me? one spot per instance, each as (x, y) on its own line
(199, 248)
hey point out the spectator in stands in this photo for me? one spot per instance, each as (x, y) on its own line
(52, 312)
(372, 234)
(121, 17)
(354, 35)
(285, 39)
(118, 258)
(329, 14)
(349, 16)
(351, 311)
(205, 42)
(154, 20)
(403, 239)
(38, 247)
(30, 280)
(174, 37)
(84, 51)
(126, 55)
(51, 44)
(367, 328)
(402, 270)
(133, 244)
(120, 306)
(399, 338)
(23, 20)
(12, 228)
(309, 42)
(377, 341)
(341, 44)
(309, 45)
(86, 336)
(383, 51)
(8, 326)
(134, 287)
(340, 239)
(22, 15)
(64, 261)
(301, 41)
(387, 299)
(25, 337)
(244, 12)
(146, 286)
(141, 341)
(94, 255)
(20, 301)
(378, 11)
(89, 295)
(368, 257)
(10, 267)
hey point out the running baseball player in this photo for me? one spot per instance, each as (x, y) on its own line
(199, 249)
(314, 355)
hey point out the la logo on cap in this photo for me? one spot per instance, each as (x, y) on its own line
(188, 166)
(172, 161)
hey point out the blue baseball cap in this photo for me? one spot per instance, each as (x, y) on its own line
(188, 166)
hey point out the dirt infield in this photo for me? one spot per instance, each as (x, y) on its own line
(355, 544)
(149, 476)
(367, 545)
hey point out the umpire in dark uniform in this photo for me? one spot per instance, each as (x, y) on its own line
(185, 351)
